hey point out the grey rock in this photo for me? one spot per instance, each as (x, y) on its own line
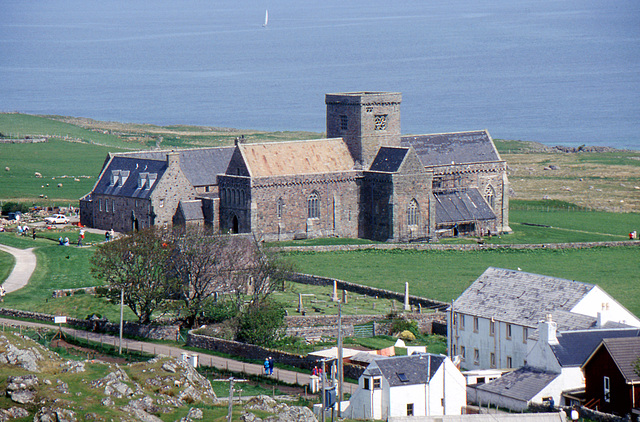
(140, 414)
(250, 417)
(107, 401)
(48, 414)
(118, 389)
(73, 367)
(195, 413)
(16, 412)
(293, 414)
(169, 367)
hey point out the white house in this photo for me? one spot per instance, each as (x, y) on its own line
(416, 385)
(489, 325)
(553, 366)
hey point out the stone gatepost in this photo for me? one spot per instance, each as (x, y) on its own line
(406, 297)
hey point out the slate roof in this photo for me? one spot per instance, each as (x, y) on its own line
(458, 147)
(414, 369)
(494, 417)
(191, 210)
(462, 206)
(625, 352)
(576, 346)
(522, 384)
(519, 297)
(199, 165)
(297, 157)
(389, 159)
(135, 167)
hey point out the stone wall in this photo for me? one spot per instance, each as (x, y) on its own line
(416, 301)
(155, 332)
(585, 413)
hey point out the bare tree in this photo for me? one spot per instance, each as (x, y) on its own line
(201, 262)
(137, 264)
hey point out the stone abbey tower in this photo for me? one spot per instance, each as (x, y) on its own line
(366, 121)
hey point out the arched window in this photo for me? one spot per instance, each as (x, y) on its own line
(412, 213)
(279, 207)
(490, 196)
(313, 205)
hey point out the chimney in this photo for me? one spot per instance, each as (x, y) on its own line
(547, 331)
(601, 319)
(173, 159)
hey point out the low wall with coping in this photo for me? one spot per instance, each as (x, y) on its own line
(155, 332)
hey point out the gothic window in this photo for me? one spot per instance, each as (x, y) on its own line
(106, 205)
(490, 195)
(412, 213)
(380, 122)
(344, 122)
(313, 205)
(279, 207)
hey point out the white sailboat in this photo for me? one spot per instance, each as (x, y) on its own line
(266, 18)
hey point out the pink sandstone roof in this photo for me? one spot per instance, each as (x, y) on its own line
(298, 157)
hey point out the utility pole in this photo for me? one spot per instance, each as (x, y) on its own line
(340, 362)
(121, 317)
(324, 399)
(230, 399)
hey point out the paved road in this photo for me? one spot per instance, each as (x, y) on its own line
(290, 377)
(24, 267)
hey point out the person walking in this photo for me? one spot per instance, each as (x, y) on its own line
(270, 365)
(34, 233)
(266, 366)
(2, 293)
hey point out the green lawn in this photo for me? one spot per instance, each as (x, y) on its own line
(444, 275)
(74, 165)
(6, 265)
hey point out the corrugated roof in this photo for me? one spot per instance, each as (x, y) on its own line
(625, 352)
(298, 157)
(199, 165)
(518, 297)
(409, 370)
(462, 206)
(522, 384)
(135, 168)
(389, 159)
(459, 147)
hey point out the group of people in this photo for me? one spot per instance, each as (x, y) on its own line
(24, 230)
(268, 366)
(109, 235)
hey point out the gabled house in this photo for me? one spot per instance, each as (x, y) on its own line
(416, 385)
(490, 324)
(553, 366)
(612, 377)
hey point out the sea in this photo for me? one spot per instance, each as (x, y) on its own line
(561, 72)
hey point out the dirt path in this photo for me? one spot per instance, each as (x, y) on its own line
(23, 269)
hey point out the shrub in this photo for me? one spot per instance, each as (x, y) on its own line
(220, 311)
(261, 323)
(13, 207)
(399, 325)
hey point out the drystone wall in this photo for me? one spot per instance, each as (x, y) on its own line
(155, 332)
(416, 301)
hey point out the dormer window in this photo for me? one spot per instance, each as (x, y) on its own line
(115, 177)
(142, 180)
(151, 179)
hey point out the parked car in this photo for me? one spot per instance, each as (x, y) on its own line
(57, 219)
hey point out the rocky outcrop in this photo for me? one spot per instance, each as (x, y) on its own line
(282, 411)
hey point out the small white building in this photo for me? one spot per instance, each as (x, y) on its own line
(490, 324)
(416, 385)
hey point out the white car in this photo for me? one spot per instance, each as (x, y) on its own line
(57, 219)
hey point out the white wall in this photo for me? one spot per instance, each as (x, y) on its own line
(597, 300)
(515, 347)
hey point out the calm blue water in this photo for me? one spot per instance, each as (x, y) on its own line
(558, 72)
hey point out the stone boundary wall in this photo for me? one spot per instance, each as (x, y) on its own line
(155, 332)
(416, 301)
(250, 351)
(585, 412)
(470, 247)
(23, 141)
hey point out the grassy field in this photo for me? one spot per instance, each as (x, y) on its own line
(443, 275)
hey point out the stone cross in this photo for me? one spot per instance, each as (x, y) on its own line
(344, 296)
(334, 297)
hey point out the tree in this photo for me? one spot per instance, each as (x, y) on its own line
(202, 263)
(261, 323)
(136, 263)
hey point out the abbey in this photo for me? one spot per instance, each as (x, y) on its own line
(364, 180)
